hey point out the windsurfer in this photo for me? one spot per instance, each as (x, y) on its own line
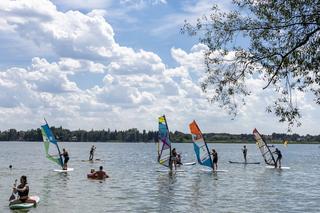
(65, 155)
(93, 148)
(214, 159)
(174, 158)
(23, 191)
(244, 151)
(279, 156)
(179, 159)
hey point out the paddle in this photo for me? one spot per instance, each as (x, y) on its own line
(12, 197)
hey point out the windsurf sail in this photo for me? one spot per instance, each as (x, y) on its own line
(51, 145)
(200, 146)
(264, 148)
(164, 154)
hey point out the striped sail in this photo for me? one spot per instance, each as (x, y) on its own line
(164, 152)
(51, 145)
(200, 146)
(264, 148)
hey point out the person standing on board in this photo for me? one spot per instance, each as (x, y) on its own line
(179, 162)
(244, 151)
(65, 155)
(279, 156)
(93, 148)
(214, 160)
(174, 158)
(23, 191)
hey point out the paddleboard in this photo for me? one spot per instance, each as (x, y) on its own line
(91, 161)
(189, 164)
(244, 162)
(282, 167)
(25, 205)
(210, 170)
(63, 170)
(166, 170)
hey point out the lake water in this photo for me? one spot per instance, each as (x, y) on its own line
(135, 186)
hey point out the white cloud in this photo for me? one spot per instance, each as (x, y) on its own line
(133, 87)
(83, 4)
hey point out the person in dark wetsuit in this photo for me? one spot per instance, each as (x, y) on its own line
(93, 148)
(244, 151)
(174, 158)
(214, 160)
(23, 191)
(279, 156)
(179, 159)
(65, 155)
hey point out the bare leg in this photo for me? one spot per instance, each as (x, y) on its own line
(31, 201)
(15, 201)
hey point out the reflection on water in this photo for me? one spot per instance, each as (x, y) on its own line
(135, 186)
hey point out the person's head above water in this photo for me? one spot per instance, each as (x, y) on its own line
(244, 146)
(101, 168)
(23, 179)
(10, 166)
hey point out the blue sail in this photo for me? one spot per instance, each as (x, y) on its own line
(52, 154)
(200, 146)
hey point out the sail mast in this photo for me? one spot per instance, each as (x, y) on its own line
(200, 146)
(170, 164)
(48, 138)
(164, 155)
(264, 148)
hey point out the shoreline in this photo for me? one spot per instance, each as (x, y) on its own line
(137, 142)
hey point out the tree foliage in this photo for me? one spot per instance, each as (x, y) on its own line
(282, 49)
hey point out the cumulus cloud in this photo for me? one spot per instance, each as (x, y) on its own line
(131, 88)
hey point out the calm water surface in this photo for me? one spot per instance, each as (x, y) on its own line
(135, 186)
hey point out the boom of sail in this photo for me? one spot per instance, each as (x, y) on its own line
(200, 146)
(164, 151)
(53, 151)
(264, 148)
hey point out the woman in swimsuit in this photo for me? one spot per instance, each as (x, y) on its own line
(23, 191)
(214, 159)
(174, 158)
(65, 155)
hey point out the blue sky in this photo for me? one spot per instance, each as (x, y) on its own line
(117, 64)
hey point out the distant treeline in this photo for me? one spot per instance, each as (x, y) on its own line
(134, 135)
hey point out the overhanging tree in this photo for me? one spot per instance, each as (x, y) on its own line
(281, 48)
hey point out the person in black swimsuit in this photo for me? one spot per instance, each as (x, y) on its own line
(23, 191)
(174, 158)
(65, 155)
(214, 160)
(279, 156)
(93, 148)
(244, 151)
